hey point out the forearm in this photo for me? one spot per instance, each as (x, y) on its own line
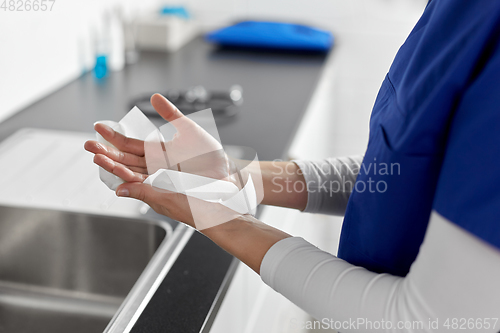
(283, 184)
(246, 238)
(449, 259)
(312, 186)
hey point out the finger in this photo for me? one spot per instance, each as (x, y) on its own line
(144, 171)
(169, 111)
(118, 169)
(139, 191)
(115, 154)
(146, 193)
(120, 141)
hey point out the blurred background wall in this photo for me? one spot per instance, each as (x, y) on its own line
(40, 51)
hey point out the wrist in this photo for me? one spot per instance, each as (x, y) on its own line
(246, 238)
(225, 230)
(284, 185)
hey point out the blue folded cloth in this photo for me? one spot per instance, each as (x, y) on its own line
(272, 35)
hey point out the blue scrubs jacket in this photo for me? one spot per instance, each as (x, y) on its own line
(434, 139)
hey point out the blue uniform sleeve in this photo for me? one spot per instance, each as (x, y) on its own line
(468, 190)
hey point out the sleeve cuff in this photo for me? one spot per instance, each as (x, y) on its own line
(310, 177)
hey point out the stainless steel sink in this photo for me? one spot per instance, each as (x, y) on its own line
(71, 272)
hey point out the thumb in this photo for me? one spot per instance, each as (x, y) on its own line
(171, 113)
(165, 108)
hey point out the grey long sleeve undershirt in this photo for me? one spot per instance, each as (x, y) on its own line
(329, 183)
(454, 276)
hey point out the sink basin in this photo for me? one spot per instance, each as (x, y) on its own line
(73, 272)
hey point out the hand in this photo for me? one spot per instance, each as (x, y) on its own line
(245, 237)
(186, 152)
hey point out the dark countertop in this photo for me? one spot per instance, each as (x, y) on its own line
(277, 88)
